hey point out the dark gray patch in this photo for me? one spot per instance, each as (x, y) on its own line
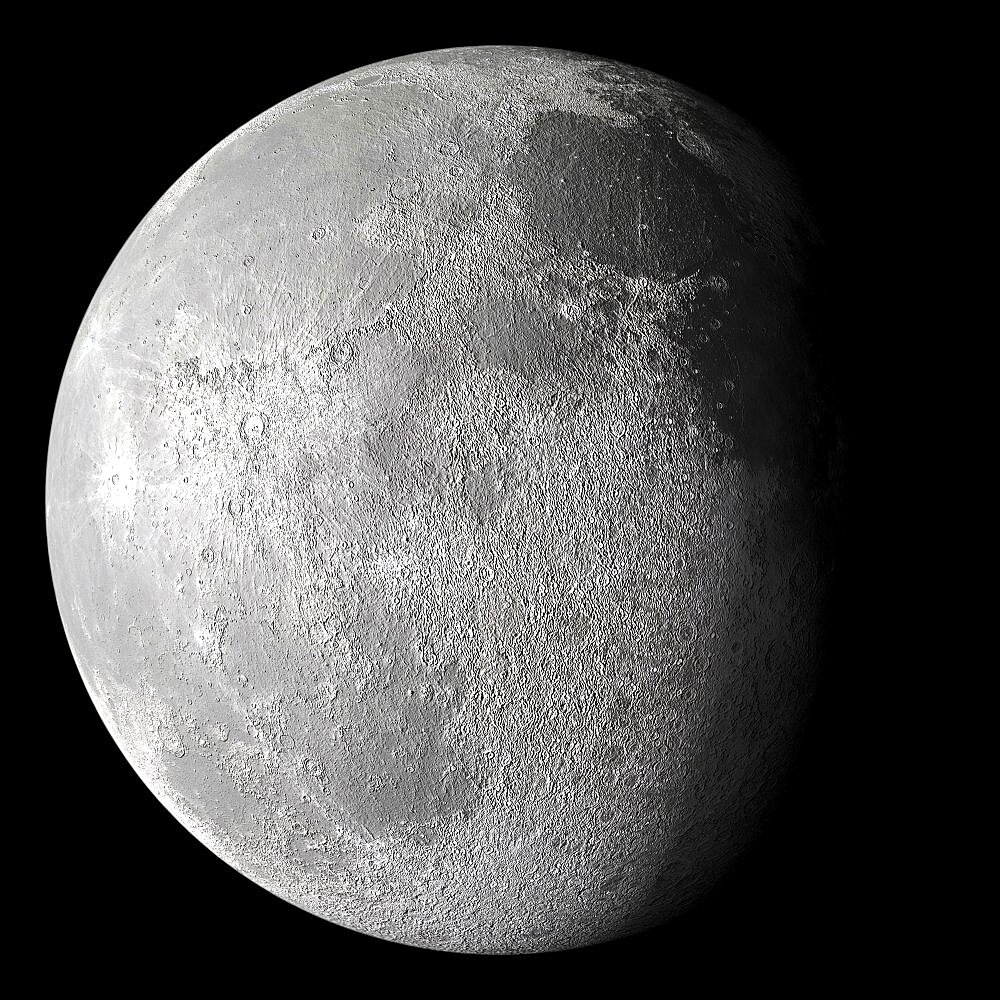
(638, 201)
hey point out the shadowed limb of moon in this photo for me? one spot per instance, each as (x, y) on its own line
(436, 496)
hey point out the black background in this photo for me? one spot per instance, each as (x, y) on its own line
(128, 108)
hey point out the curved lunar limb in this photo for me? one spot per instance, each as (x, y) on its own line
(436, 494)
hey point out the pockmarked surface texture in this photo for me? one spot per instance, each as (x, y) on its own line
(435, 497)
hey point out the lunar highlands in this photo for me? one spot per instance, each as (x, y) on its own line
(437, 491)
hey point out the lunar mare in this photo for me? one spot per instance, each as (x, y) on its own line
(436, 497)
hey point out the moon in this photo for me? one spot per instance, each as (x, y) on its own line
(437, 497)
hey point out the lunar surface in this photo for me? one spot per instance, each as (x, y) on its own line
(436, 497)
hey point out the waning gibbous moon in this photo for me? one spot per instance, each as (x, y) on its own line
(437, 494)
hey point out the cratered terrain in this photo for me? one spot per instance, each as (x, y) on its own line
(436, 497)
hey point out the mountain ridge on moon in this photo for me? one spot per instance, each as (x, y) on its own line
(437, 494)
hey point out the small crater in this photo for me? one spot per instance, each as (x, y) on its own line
(253, 427)
(404, 188)
(341, 353)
